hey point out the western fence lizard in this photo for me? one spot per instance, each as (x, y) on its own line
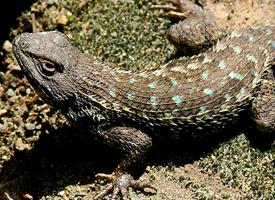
(223, 75)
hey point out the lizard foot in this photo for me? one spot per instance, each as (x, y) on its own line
(120, 184)
(181, 9)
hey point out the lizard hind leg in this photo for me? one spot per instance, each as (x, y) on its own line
(197, 29)
(136, 144)
(263, 107)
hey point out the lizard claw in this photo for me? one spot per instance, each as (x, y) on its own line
(120, 185)
(181, 9)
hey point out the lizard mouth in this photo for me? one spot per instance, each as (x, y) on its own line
(24, 59)
(28, 63)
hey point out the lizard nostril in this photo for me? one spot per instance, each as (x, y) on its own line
(23, 44)
(21, 41)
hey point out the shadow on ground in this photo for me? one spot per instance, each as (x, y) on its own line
(68, 157)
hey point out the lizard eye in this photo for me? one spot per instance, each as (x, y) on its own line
(48, 68)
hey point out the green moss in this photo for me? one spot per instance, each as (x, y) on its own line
(127, 33)
(239, 165)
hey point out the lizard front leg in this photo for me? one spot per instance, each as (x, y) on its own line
(135, 144)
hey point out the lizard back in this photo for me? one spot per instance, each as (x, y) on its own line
(210, 85)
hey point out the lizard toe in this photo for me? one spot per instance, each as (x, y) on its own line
(180, 9)
(120, 186)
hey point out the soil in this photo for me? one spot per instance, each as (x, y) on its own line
(43, 156)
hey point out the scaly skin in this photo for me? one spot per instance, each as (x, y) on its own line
(189, 95)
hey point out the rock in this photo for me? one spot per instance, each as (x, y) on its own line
(19, 145)
(7, 46)
(10, 92)
(62, 20)
(30, 126)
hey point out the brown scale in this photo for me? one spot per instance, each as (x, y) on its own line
(192, 92)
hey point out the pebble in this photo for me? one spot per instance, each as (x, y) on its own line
(7, 46)
(114, 34)
(1, 91)
(10, 92)
(62, 19)
(50, 2)
(2, 127)
(5, 157)
(13, 67)
(3, 150)
(19, 145)
(3, 111)
(28, 91)
(30, 126)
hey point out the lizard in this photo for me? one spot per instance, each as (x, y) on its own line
(220, 75)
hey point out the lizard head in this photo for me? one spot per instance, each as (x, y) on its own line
(49, 61)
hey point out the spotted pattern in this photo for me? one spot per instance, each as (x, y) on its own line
(174, 82)
(237, 49)
(222, 65)
(251, 58)
(208, 91)
(235, 75)
(154, 102)
(205, 75)
(152, 85)
(131, 80)
(177, 99)
(130, 96)
(189, 87)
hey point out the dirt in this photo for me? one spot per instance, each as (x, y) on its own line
(45, 157)
(242, 13)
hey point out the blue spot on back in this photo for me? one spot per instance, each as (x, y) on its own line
(174, 82)
(235, 75)
(205, 74)
(130, 96)
(177, 99)
(152, 85)
(153, 100)
(131, 80)
(251, 58)
(222, 65)
(237, 49)
(208, 91)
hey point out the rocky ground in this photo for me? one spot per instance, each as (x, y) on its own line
(44, 157)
